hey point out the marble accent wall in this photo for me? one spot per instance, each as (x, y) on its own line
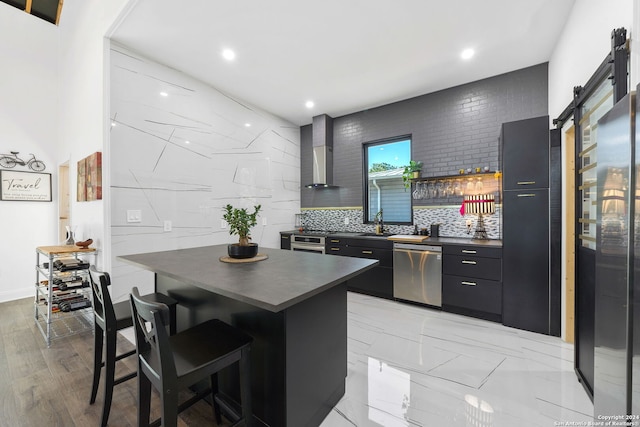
(179, 151)
(452, 224)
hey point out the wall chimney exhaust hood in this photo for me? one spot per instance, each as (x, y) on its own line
(322, 130)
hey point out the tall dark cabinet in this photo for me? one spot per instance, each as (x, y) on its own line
(528, 299)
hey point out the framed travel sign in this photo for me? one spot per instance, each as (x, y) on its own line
(25, 186)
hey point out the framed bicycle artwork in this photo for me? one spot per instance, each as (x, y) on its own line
(25, 186)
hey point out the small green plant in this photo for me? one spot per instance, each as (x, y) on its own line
(410, 172)
(240, 222)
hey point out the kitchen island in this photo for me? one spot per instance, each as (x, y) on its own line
(293, 304)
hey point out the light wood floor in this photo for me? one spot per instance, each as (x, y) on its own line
(42, 386)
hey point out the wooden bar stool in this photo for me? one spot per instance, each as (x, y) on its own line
(171, 363)
(109, 318)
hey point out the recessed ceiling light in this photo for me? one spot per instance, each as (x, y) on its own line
(309, 104)
(187, 142)
(228, 54)
(467, 54)
(164, 94)
(247, 125)
(113, 124)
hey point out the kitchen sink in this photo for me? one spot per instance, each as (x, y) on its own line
(376, 235)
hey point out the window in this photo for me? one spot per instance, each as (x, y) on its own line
(384, 162)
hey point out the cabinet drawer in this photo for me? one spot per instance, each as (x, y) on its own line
(474, 294)
(473, 266)
(472, 250)
(383, 255)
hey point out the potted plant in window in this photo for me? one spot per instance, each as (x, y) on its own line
(411, 171)
(240, 222)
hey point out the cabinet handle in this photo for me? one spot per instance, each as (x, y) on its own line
(285, 237)
(335, 241)
(464, 261)
(367, 252)
(335, 249)
(526, 195)
(526, 182)
(467, 251)
(468, 283)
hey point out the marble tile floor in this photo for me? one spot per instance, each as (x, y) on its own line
(411, 366)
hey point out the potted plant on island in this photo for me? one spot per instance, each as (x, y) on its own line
(240, 222)
(411, 171)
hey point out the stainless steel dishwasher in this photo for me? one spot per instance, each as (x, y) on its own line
(417, 273)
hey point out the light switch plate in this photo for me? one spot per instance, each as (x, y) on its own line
(134, 215)
(167, 225)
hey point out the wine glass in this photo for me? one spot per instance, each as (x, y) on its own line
(433, 192)
(457, 188)
(417, 193)
(470, 187)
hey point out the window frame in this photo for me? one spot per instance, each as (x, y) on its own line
(365, 178)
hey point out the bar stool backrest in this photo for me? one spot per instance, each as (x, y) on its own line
(102, 305)
(152, 340)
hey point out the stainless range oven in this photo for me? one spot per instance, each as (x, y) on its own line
(308, 243)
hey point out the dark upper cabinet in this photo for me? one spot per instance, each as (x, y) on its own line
(525, 154)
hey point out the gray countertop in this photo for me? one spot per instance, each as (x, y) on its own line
(281, 281)
(430, 241)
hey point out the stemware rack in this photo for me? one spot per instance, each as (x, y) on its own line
(452, 188)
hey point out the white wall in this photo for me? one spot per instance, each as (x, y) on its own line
(28, 117)
(583, 45)
(182, 157)
(580, 50)
(83, 114)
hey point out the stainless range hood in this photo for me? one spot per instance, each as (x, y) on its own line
(322, 130)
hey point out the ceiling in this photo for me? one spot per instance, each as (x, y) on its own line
(49, 10)
(346, 56)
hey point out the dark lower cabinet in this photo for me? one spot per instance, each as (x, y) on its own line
(285, 241)
(472, 281)
(377, 281)
(526, 300)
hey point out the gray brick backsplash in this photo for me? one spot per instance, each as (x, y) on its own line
(451, 129)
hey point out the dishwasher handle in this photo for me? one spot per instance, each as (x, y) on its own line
(412, 247)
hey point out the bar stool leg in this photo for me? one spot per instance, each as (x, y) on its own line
(245, 386)
(98, 335)
(110, 373)
(169, 400)
(215, 405)
(144, 400)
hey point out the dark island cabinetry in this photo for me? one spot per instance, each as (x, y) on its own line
(472, 281)
(379, 280)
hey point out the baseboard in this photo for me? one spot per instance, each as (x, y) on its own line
(14, 294)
